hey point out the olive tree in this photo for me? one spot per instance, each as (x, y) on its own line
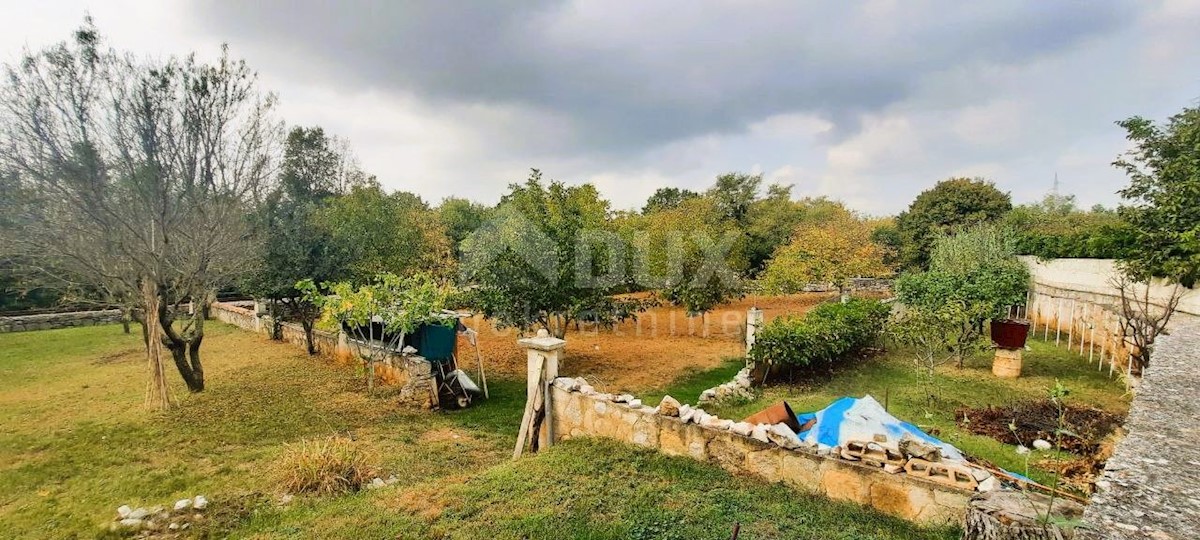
(138, 175)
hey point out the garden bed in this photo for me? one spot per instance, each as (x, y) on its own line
(892, 379)
(1023, 423)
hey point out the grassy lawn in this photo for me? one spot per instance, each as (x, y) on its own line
(75, 443)
(892, 377)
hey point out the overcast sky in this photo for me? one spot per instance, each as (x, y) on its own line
(868, 102)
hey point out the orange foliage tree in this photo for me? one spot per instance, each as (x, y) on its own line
(831, 251)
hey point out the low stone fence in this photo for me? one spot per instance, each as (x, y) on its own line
(579, 411)
(413, 374)
(1149, 485)
(50, 321)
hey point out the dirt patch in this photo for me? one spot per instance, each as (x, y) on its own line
(118, 356)
(1033, 420)
(642, 354)
(426, 501)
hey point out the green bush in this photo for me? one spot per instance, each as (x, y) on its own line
(823, 336)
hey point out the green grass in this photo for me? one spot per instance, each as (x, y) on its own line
(687, 387)
(891, 378)
(75, 443)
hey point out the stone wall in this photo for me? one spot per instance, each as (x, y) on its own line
(1149, 485)
(413, 374)
(1091, 277)
(578, 411)
(49, 321)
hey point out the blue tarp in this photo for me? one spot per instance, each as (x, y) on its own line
(860, 419)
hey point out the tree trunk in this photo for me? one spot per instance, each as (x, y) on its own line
(185, 350)
(308, 325)
(1013, 515)
(158, 392)
(126, 318)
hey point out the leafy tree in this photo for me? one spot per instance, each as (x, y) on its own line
(296, 245)
(771, 220)
(139, 175)
(950, 205)
(931, 332)
(1161, 199)
(691, 255)
(666, 198)
(832, 251)
(387, 233)
(976, 270)
(460, 217)
(734, 193)
(544, 256)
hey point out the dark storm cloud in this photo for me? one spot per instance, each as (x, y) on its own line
(632, 76)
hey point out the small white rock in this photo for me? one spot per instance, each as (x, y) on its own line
(199, 502)
(132, 523)
(1042, 444)
(742, 428)
(138, 514)
(124, 510)
(183, 504)
(173, 526)
(991, 484)
(760, 433)
(634, 403)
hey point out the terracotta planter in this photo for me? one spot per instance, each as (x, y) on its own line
(779, 412)
(1010, 333)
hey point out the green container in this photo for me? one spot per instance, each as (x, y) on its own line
(435, 342)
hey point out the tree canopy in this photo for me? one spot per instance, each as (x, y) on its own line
(948, 206)
(832, 250)
(1161, 201)
(137, 175)
(542, 257)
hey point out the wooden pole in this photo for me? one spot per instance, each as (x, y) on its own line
(1091, 337)
(535, 388)
(1058, 322)
(1071, 325)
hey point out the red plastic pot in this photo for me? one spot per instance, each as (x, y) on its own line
(1010, 333)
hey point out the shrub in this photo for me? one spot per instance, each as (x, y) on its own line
(823, 336)
(326, 466)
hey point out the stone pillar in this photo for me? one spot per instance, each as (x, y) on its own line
(542, 354)
(754, 321)
(1007, 363)
(342, 350)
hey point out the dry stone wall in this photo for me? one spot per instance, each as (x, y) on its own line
(579, 411)
(413, 374)
(1149, 486)
(50, 321)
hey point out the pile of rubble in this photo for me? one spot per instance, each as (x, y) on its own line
(738, 388)
(907, 454)
(158, 519)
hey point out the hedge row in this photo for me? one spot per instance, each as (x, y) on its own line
(823, 336)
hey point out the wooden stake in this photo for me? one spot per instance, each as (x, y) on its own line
(527, 418)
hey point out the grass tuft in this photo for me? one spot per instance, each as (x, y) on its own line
(326, 466)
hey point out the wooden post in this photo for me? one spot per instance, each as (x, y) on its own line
(1071, 322)
(1091, 337)
(537, 425)
(1057, 322)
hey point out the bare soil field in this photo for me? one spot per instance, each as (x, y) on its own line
(649, 352)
